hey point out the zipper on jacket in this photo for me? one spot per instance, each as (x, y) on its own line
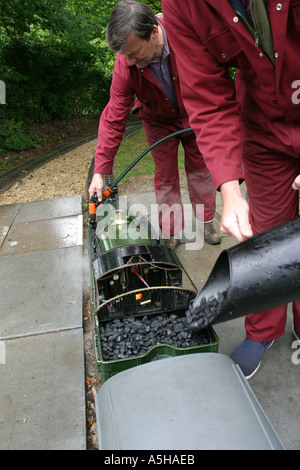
(256, 38)
(256, 34)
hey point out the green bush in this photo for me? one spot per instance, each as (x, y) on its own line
(13, 136)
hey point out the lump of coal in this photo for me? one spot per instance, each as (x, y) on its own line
(203, 312)
(135, 336)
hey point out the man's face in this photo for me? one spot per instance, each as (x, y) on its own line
(138, 51)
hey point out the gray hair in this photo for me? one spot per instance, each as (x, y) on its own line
(129, 17)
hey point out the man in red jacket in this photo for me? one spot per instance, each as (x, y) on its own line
(145, 68)
(254, 123)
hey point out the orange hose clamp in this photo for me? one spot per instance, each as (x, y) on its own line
(106, 193)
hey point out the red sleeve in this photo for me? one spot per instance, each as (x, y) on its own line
(113, 120)
(208, 93)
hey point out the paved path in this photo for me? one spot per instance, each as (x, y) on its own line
(42, 391)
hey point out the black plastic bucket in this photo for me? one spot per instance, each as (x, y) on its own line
(260, 273)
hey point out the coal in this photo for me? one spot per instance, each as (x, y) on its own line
(203, 311)
(121, 339)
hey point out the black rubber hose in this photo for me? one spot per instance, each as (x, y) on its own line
(109, 189)
(115, 183)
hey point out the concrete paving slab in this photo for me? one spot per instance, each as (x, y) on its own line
(49, 209)
(41, 292)
(3, 232)
(7, 216)
(20, 231)
(42, 399)
(43, 235)
(8, 213)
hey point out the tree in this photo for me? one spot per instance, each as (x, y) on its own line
(53, 58)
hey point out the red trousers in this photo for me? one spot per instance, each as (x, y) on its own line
(166, 179)
(270, 170)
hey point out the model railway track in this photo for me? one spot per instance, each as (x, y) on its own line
(10, 177)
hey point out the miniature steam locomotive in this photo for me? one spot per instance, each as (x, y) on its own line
(135, 276)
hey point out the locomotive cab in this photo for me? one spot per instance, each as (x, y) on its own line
(134, 273)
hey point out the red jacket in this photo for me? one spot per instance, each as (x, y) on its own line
(207, 37)
(151, 104)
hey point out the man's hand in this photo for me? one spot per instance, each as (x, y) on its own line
(296, 183)
(235, 214)
(96, 186)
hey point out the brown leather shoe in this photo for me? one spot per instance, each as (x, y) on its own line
(171, 242)
(211, 234)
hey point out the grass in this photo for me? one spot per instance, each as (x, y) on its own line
(130, 149)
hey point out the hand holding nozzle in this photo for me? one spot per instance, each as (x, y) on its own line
(94, 202)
